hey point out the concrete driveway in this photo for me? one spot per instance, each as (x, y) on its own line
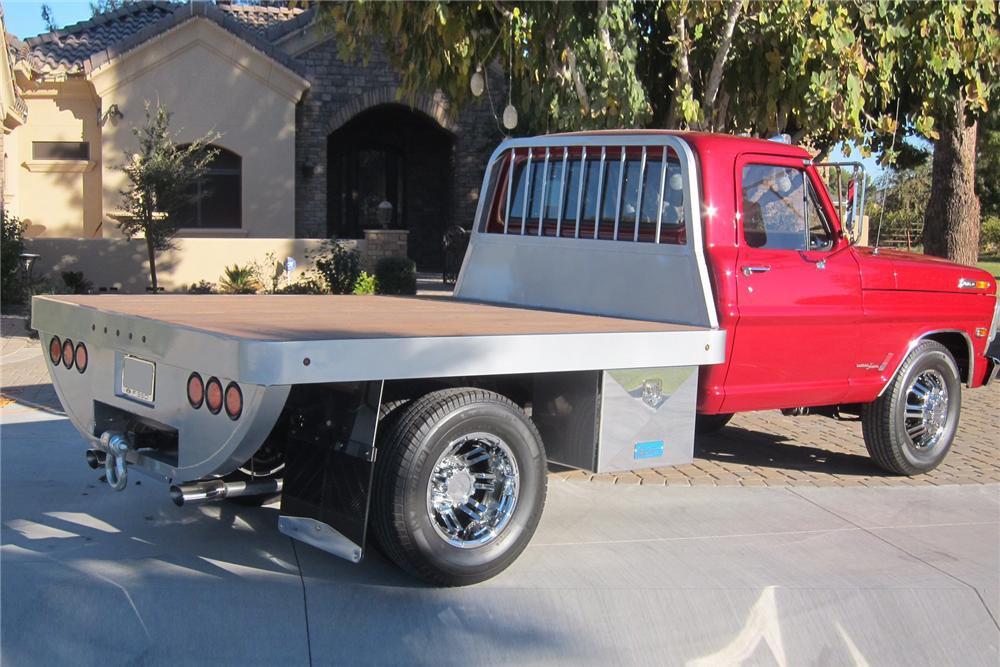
(621, 575)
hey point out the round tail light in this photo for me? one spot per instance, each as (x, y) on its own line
(213, 395)
(196, 391)
(81, 357)
(67, 353)
(55, 350)
(234, 401)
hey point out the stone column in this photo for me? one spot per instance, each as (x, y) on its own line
(381, 243)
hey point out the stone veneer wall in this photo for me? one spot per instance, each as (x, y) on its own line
(339, 91)
(381, 243)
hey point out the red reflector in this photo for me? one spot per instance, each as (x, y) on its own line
(81, 357)
(234, 401)
(196, 391)
(213, 395)
(67, 353)
(55, 350)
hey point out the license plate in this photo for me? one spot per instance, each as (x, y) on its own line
(138, 378)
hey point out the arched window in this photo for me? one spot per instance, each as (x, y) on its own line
(217, 199)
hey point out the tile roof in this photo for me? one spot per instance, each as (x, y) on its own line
(89, 44)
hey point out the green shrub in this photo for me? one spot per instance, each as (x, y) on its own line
(238, 279)
(202, 287)
(76, 283)
(396, 275)
(12, 285)
(303, 286)
(339, 267)
(989, 236)
(366, 284)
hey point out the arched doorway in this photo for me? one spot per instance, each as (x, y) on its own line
(391, 153)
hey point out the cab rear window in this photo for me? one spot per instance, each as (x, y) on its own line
(608, 193)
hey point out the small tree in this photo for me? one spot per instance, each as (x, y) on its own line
(162, 176)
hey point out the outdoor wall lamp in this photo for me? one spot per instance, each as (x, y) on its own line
(113, 112)
(308, 169)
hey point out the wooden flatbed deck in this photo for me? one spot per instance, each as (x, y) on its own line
(305, 317)
(292, 339)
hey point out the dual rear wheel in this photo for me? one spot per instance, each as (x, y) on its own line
(459, 485)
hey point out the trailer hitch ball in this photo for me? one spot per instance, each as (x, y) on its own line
(116, 445)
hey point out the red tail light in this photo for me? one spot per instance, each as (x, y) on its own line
(234, 401)
(67, 353)
(81, 357)
(55, 350)
(196, 391)
(213, 395)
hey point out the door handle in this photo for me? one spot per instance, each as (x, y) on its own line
(750, 270)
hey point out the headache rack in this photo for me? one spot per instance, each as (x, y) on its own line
(602, 223)
(608, 192)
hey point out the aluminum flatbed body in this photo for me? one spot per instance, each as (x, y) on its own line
(300, 339)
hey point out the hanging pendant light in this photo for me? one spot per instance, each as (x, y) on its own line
(477, 83)
(510, 117)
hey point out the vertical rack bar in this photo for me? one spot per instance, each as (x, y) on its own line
(510, 187)
(638, 197)
(600, 190)
(562, 192)
(660, 201)
(527, 192)
(618, 197)
(579, 202)
(545, 187)
(840, 194)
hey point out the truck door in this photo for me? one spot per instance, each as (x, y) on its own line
(799, 295)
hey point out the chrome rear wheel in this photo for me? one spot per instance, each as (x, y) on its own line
(473, 489)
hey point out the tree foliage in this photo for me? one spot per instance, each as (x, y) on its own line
(161, 178)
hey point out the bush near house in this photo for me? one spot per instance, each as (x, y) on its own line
(12, 287)
(303, 286)
(989, 236)
(238, 279)
(202, 287)
(338, 266)
(76, 283)
(396, 275)
(366, 284)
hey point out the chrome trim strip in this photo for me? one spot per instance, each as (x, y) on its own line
(545, 187)
(562, 192)
(618, 197)
(598, 214)
(579, 199)
(527, 193)
(510, 187)
(915, 341)
(638, 197)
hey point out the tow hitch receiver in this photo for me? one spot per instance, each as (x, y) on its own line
(113, 448)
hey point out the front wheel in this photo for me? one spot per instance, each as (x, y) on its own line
(909, 429)
(459, 486)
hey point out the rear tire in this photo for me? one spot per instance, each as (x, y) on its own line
(448, 457)
(710, 423)
(909, 429)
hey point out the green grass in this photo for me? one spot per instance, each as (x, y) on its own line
(991, 264)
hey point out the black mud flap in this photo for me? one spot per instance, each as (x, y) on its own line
(329, 460)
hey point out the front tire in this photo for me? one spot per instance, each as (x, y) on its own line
(459, 486)
(909, 429)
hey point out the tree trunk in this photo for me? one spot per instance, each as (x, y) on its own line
(951, 221)
(151, 252)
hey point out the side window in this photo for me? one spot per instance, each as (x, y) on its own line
(781, 210)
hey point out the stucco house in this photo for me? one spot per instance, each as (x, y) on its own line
(310, 144)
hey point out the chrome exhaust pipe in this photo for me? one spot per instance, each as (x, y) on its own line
(216, 489)
(96, 458)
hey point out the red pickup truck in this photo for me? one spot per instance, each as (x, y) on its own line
(620, 291)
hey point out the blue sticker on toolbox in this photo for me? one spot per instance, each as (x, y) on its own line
(648, 450)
